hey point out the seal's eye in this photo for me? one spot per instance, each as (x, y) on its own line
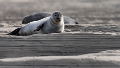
(55, 15)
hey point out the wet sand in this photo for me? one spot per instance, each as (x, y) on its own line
(93, 43)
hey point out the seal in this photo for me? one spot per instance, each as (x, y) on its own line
(41, 15)
(51, 24)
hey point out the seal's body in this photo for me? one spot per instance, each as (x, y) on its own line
(40, 15)
(51, 24)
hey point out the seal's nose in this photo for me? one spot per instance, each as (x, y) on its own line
(58, 18)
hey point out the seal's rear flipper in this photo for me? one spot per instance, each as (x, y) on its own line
(14, 32)
(76, 23)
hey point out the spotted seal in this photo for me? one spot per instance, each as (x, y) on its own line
(41, 15)
(51, 24)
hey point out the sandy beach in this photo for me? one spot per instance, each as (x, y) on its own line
(93, 43)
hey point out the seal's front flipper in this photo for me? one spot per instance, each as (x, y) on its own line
(39, 27)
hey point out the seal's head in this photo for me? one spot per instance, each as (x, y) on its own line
(57, 17)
